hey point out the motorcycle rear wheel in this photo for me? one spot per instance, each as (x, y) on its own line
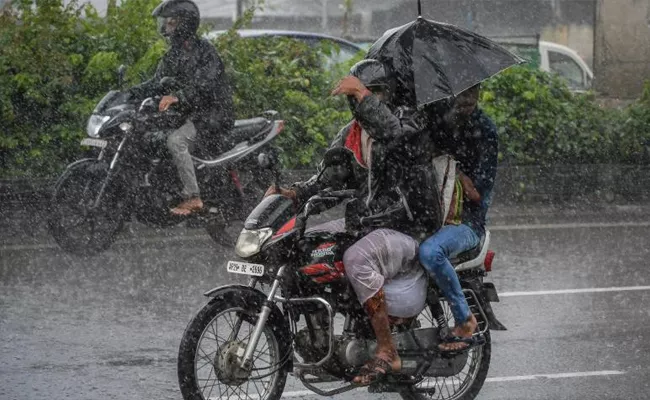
(76, 226)
(464, 386)
(205, 362)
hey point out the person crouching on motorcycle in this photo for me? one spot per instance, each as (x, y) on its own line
(470, 136)
(203, 92)
(384, 254)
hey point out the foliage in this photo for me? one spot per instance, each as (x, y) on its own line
(287, 76)
(541, 122)
(57, 61)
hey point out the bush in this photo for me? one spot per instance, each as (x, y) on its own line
(541, 122)
(57, 61)
(287, 76)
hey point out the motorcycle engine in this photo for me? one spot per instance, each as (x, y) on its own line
(313, 349)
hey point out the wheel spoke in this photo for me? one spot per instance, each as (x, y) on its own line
(206, 383)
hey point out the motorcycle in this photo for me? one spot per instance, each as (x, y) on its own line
(127, 177)
(246, 338)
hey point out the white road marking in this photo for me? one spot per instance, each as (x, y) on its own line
(554, 376)
(576, 225)
(517, 378)
(574, 291)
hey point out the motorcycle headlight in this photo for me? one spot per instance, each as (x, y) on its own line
(250, 242)
(95, 123)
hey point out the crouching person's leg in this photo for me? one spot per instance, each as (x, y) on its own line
(378, 256)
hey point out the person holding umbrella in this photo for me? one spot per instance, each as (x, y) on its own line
(438, 67)
(470, 136)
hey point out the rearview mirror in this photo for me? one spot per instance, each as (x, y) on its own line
(266, 161)
(121, 73)
(271, 162)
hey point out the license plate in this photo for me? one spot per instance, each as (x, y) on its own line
(94, 143)
(237, 267)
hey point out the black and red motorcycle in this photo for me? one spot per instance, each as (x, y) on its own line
(308, 322)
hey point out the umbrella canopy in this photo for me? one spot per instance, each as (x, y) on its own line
(432, 61)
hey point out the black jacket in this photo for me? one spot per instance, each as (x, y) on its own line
(204, 92)
(476, 149)
(401, 174)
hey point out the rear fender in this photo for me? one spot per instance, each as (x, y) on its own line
(486, 292)
(242, 149)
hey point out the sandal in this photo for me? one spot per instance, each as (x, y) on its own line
(374, 371)
(468, 343)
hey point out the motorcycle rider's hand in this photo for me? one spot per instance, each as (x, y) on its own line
(166, 102)
(288, 193)
(351, 86)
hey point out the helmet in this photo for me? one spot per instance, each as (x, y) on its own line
(177, 19)
(371, 73)
(374, 75)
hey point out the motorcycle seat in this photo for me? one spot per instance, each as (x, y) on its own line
(469, 255)
(246, 129)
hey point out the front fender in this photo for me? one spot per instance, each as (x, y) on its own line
(233, 287)
(69, 168)
(251, 298)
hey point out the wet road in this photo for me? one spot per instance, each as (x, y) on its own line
(108, 327)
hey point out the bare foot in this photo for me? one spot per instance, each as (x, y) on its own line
(464, 331)
(187, 207)
(385, 362)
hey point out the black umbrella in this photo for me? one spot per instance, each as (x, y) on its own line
(433, 61)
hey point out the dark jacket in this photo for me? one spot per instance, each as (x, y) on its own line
(204, 92)
(398, 177)
(476, 149)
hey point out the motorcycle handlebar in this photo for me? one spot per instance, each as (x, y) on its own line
(338, 194)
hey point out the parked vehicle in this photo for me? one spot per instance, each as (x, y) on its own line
(343, 51)
(553, 58)
(126, 177)
(547, 56)
(243, 340)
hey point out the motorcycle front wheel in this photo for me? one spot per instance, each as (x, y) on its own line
(208, 366)
(76, 224)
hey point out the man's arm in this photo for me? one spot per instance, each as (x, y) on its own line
(377, 119)
(148, 88)
(382, 124)
(310, 187)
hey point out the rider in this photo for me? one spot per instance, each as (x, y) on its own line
(382, 266)
(203, 92)
(470, 136)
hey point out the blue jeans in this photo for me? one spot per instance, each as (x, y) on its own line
(435, 253)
